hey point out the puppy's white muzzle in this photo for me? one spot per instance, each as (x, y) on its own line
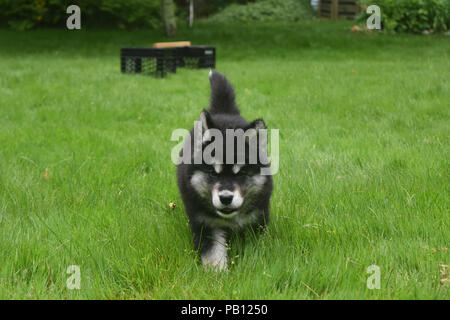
(227, 202)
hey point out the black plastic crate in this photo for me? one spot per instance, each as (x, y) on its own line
(149, 61)
(197, 57)
(159, 61)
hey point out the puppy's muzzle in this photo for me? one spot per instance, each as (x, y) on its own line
(226, 202)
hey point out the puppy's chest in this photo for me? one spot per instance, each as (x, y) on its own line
(236, 223)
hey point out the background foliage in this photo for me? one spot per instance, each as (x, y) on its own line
(413, 16)
(203, 8)
(266, 10)
(27, 14)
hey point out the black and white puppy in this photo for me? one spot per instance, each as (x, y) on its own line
(224, 196)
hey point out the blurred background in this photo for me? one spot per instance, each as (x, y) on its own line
(401, 15)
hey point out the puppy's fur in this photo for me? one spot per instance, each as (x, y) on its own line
(223, 198)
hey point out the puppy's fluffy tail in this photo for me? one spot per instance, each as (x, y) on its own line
(222, 94)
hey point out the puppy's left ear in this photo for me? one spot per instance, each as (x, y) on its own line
(205, 118)
(257, 124)
(254, 128)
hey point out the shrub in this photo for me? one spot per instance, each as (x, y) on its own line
(413, 16)
(205, 8)
(266, 10)
(136, 13)
(27, 14)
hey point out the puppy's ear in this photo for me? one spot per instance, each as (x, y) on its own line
(256, 128)
(257, 124)
(206, 120)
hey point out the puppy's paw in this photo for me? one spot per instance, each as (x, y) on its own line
(215, 257)
(215, 263)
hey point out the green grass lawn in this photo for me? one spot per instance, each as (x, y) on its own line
(86, 177)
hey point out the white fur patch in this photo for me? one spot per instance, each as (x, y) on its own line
(259, 180)
(206, 136)
(199, 182)
(203, 121)
(218, 168)
(216, 256)
(236, 168)
(226, 193)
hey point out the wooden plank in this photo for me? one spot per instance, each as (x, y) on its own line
(334, 9)
(171, 44)
(346, 16)
(326, 7)
(347, 8)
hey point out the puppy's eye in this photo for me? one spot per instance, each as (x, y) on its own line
(248, 170)
(244, 172)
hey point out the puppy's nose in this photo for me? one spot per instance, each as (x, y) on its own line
(226, 199)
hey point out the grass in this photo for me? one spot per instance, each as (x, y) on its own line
(86, 177)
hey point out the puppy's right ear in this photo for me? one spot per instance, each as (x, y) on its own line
(206, 120)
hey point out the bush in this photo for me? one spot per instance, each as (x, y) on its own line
(133, 13)
(266, 10)
(414, 16)
(205, 8)
(27, 14)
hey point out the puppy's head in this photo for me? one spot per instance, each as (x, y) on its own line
(229, 175)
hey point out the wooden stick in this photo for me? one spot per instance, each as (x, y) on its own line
(171, 44)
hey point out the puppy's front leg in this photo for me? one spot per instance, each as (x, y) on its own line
(214, 250)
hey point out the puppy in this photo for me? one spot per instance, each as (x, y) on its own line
(230, 189)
